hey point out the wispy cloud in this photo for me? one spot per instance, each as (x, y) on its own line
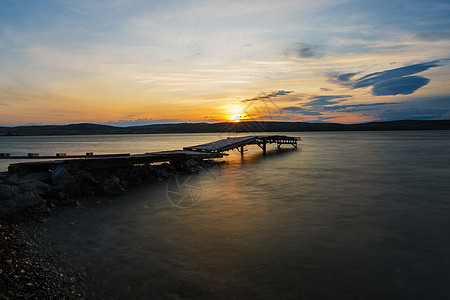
(326, 100)
(265, 96)
(300, 110)
(342, 78)
(356, 107)
(302, 50)
(141, 122)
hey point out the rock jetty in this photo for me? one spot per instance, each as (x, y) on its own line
(37, 193)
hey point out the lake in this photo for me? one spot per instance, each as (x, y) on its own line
(347, 215)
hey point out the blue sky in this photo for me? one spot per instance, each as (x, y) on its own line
(142, 62)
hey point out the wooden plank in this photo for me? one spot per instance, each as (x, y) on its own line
(224, 144)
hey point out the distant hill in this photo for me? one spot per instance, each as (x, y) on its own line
(250, 126)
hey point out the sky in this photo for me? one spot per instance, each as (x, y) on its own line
(136, 62)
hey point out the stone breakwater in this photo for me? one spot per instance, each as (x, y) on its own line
(37, 193)
(30, 268)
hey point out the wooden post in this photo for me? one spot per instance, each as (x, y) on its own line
(264, 148)
(242, 151)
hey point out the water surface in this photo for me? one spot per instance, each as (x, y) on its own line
(348, 215)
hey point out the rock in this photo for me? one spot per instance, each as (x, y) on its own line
(161, 173)
(86, 177)
(3, 176)
(66, 182)
(113, 186)
(11, 178)
(60, 177)
(23, 201)
(40, 209)
(33, 185)
(53, 193)
(7, 191)
(168, 167)
(86, 182)
(28, 199)
(41, 176)
(191, 163)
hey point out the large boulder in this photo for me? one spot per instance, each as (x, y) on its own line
(65, 182)
(86, 177)
(87, 182)
(60, 177)
(22, 201)
(112, 185)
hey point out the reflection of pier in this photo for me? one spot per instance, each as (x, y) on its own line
(240, 142)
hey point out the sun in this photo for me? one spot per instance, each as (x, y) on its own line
(234, 112)
(235, 118)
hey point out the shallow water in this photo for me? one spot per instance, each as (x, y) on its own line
(348, 215)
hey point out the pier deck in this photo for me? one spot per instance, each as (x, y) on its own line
(240, 142)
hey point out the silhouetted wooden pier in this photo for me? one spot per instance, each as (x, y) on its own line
(91, 162)
(240, 142)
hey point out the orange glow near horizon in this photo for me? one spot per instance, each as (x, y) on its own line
(234, 112)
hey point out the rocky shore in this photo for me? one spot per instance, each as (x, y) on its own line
(30, 270)
(37, 193)
(28, 267)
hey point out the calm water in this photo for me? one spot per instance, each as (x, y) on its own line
(353, 215)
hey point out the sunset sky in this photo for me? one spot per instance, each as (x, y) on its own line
(138, 62)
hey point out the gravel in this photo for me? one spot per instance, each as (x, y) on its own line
(30, 270)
